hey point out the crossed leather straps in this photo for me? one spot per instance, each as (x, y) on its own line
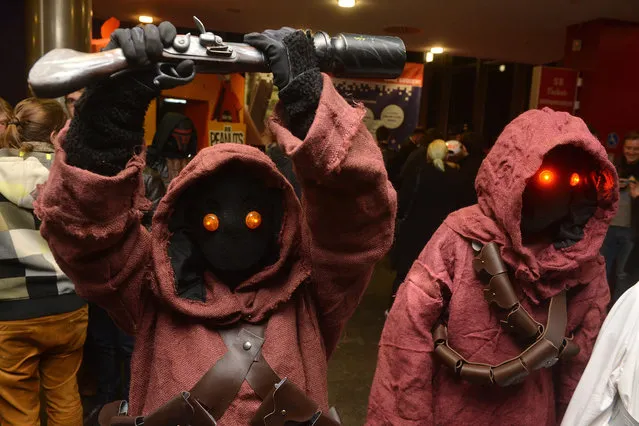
(283, 403)
(549, 342)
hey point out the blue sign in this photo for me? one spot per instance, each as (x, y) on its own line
(393, 104)
(612, 141)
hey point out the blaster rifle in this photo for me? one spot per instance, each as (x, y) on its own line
(63, 71)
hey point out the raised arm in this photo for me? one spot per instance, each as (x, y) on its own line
(92, 203)
(349, 204)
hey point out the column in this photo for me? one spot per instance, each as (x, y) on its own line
(57, 23)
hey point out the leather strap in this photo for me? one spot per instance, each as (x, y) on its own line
(177, 411)
(184, 409)
(489, 265)
(544, 353)
(489, 261)
(262, 378)
(500, 291)
(215, 391)
(549, 342)
(287, 405)
(519, 322)
(219, 386)
(115, 413)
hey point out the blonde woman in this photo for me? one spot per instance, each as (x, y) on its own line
(437, 153)
(427, 195)
(42, 321)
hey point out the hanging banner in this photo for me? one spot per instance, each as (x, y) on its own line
(390, 103)
(555, 88)
(220, 132)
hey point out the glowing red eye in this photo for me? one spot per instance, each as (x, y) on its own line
(575, 179)
(253, 220)
(211, 222)
(546, 177)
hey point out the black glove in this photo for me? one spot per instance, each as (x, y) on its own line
(295, 67)
(143, 46)
(108, 125)
(271, 43)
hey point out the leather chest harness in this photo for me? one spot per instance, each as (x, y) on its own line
(282, 402)
(548, 343)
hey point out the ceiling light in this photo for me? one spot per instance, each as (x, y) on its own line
(146, 19)
(175, 100)
(502, 68)
(346, 3)
(437, 50)
(429, 56)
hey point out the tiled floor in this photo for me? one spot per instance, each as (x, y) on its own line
(352, 366)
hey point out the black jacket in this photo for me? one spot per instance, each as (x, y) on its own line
(469, 167)
(625, 171)
(154, 190)
(426, 197)
(285, 166)
(396, 163)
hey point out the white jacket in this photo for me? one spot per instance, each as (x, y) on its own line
(610, 383)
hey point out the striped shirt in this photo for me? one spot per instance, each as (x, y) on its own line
(31, 282)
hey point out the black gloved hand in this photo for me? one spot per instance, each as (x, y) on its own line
(271, 43)
(143, 46)
(295, 68)
(108, 125)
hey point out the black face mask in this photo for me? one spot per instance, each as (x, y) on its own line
(544, 207)
(234, 252)
(560, 196)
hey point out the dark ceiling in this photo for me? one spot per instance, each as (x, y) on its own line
(529, 31)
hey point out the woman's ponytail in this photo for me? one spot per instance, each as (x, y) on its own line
(33, 120)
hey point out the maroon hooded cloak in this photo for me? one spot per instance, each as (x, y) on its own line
(411, 387)
(328, 247)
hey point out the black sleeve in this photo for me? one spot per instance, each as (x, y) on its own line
(108, 126)
(301, 96)
(154, 191)
(285, 166)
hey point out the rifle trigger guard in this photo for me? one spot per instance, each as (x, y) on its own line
(167, 77)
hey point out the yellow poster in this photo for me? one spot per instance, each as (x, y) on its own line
(220, 132)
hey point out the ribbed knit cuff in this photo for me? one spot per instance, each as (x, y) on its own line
(109, 124)
(300, 99)
(301, 96)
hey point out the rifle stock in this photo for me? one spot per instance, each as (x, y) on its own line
(63, 71)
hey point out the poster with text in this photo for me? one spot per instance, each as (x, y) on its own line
(390, 103)
(554, 88)
(221, 132)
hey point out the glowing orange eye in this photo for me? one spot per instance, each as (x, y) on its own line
(211, 222)
(253, 220)
(546, 177)
(575, 179)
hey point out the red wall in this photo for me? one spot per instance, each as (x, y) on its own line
(609, 63)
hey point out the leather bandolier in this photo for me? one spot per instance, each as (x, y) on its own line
(549, 343)
(282, 402)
